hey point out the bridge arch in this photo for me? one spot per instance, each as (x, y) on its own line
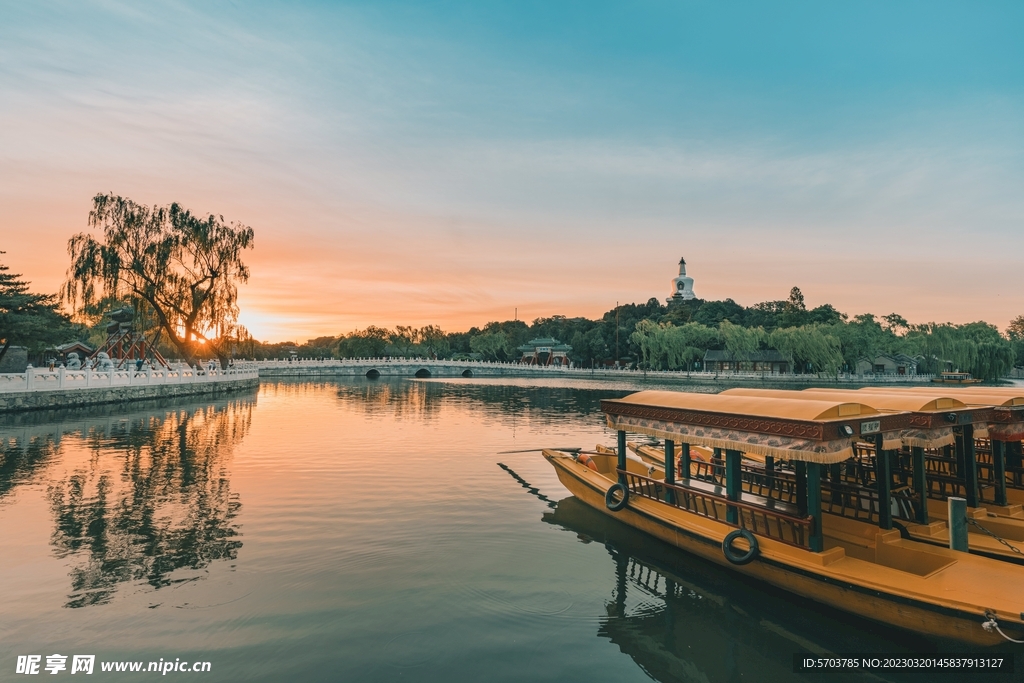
(423, 373)
(467, 373)
(372, 373)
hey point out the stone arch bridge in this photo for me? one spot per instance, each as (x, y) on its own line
(374, 368)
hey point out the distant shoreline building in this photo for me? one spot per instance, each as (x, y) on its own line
(682, 286)
(545, 351)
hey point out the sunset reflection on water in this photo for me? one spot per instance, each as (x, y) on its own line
(366, 530)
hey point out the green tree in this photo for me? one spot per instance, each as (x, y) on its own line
(646, 338)
(794, 312)
(666, 346)
(896, 324)
(863, 337)
(1015, 331)
(492, 345)
(435, 341)
(368, 343)
(740, 340)
(994, 360)
(28, 319)
(404, 341)
(182, 267)
(689, 342)
(811, 344)
(826, 314)
(589, 347)
(713, 312)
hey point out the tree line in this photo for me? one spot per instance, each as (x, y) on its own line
(179, 273)
(652, 335)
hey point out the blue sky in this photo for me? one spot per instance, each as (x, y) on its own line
(450, 162)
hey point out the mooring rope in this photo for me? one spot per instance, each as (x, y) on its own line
(993, 625)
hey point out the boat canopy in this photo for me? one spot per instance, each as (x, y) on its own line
(933, 415)
(822, 431)
(1007, 418)
(972, 396)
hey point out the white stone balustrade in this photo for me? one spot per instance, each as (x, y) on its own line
(41, 379)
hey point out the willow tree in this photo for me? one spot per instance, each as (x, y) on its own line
(741, 340)
(182, 267)
(810, 344)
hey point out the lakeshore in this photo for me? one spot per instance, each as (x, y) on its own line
(41, 389)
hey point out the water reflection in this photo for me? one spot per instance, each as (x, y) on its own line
(682, 619)
(422, 399)
(137, 495)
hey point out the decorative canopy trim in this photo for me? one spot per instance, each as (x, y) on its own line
(935, 437)
(776, 445)
(1012, 431)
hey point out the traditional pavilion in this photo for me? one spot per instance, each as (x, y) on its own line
(544, 351)
(682, 286)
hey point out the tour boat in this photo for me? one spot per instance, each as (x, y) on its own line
(863, 569)
(955, 378)
(940, 433)
(1005, 432)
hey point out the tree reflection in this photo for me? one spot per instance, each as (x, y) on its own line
(423, 400)
(148, 495)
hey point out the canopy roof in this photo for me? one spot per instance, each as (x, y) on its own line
(930, 402)
(972, 396)
(931, 417)
(812, 430)
(748, 405)
(1005, 420)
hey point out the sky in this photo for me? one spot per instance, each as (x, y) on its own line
(455, 163)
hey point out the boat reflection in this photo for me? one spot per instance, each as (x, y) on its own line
(137, 496)
(681, 619)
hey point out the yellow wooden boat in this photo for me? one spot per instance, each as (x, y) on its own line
(862, 569)
(1005, 433)
(936, 422)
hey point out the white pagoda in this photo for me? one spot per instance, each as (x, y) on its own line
(682, 286)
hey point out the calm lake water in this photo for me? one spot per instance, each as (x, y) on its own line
(369, 531)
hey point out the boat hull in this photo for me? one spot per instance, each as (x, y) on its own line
(788, 568)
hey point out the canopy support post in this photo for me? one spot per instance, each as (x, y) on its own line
(1013, 459)
(883, 480)
(733, 484)
(920, 484)
(670, 470)
(970, 459)
(999, 465)
(684, 461)
(622, 456)
(769, 474)
(817, 539)
(801, 487)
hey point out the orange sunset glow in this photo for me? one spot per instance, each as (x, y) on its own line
(406, 171)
